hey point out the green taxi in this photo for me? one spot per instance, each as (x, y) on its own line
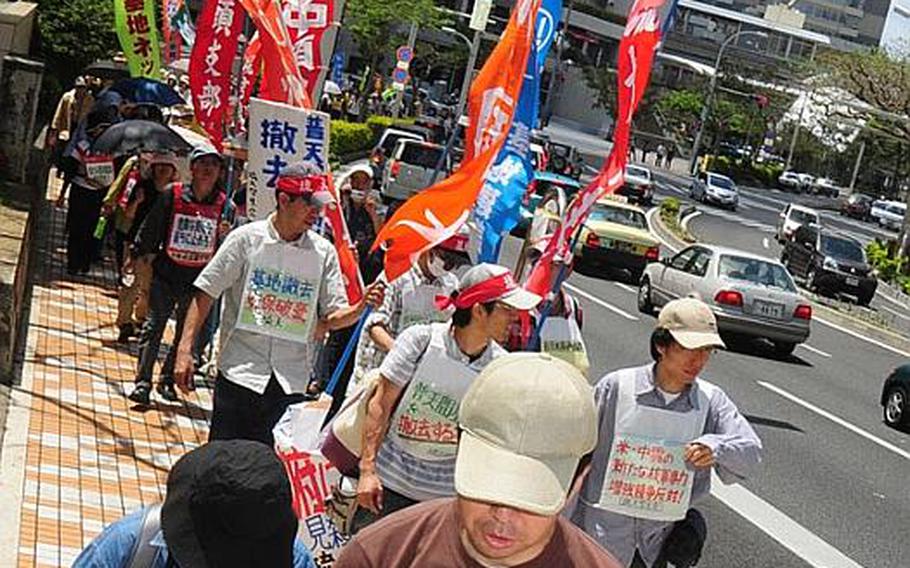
(616, 235)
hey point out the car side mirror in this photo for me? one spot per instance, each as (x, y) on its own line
(665, 261)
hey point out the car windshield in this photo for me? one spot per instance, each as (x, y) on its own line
(638, 172)
(420, 155)
(391, 140)
(803, 217)
(900, 209)
(842, 248)
(720, 182)
(622, 216)
(755, 271)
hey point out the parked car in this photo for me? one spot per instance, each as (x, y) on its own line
(794, 181)
(565, 160)
(892, 215)
(714, 188)
(825, 186)
(877, 209)
(638, 185)
(751, 296)
(791, 218)
(616, 235)
(895, 398)
(410, 168)
(830, 263)
(856, 206)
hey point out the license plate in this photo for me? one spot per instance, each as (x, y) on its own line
(768, 309)
(852, 281)
(623, 246)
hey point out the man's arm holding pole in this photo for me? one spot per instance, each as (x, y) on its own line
(184, 366)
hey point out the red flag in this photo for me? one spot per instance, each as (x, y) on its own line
(249, 72)
(636, 54)
(436, 213)
(282, 82)
(219, 26)
(353, 283)
(307, 20)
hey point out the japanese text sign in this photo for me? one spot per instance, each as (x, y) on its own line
(135, 24)
(647, 478)
(281, 135)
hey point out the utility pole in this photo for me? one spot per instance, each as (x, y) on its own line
(399, 97)
(859, 161)
(557, 67)
(799, 122)
(468, 75)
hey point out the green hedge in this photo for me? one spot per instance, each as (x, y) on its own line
(744, 171)
(885, 258)
(378, 124)
(349, 138)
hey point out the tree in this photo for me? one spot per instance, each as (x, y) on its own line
(602, 82)
(371, 22)
(680, 110)
(71, 35)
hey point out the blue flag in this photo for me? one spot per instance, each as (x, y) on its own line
(498, 207)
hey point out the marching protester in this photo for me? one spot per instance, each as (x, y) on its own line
(86, 194)
(516, 465)
(129, 200)
(409, 450)
(181, 230)
(228, 504)
(686, 426)
(410, 300)
(73, 107)
(282, 288)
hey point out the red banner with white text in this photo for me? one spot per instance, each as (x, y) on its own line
(217, 32)
(307, 20)
(636, 55)
(437, 212)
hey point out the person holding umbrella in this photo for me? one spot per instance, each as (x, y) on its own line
(182, 230)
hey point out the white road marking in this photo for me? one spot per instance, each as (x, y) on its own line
(688, 219)
(895, 312)
(770, 520)
(625, 287)
(765, 243)
(837, 420)
(811, 349)
(892, 300)
(858, 335)
(598, 301)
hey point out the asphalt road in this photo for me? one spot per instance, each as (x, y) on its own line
(833, 488)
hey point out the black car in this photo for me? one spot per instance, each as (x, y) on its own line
(895, 397)
(829, 263)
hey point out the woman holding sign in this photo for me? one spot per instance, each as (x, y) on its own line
(662, 430)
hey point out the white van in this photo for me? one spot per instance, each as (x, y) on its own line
(892, 216)
(791, 218)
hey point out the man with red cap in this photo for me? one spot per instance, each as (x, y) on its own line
(282, 288)
(409, 450)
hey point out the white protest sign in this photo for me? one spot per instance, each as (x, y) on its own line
(281, 135)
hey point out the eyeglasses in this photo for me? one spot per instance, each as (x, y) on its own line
(450, 260)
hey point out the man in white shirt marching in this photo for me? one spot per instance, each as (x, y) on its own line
(282, 289)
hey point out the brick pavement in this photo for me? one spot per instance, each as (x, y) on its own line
(86, 457)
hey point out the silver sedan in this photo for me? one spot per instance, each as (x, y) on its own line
(750, 295)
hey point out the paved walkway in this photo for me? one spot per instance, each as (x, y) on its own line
(76, 456)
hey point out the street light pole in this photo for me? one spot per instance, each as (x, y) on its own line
(557, 67)
(473, 48)
(709, 102)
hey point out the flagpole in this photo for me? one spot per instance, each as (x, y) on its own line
(534, 341)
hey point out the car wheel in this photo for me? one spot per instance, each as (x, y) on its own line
(635, 274)
(895, 410)
(784, 348)
(811, 285)
(645, 304)
(864, 299)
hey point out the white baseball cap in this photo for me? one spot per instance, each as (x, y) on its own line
(526, 421)
(691, 323)
(490, 282)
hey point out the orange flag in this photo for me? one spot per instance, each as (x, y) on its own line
(436, 213)
(282, 76)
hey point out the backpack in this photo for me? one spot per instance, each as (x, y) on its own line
(143, 553)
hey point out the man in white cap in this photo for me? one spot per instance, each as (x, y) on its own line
(526, 424)
(662, 430)
(409, 450)
(282, 287)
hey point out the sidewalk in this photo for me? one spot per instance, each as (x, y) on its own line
(75, 456)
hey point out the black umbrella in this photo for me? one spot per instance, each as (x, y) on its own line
(107, 69)
(133, 136)
(142, 90)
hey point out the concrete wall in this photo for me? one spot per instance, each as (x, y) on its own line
(20, 86)
(575, 104)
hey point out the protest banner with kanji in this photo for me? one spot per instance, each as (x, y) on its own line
(135, 24)
(647, 478)
(281, 135)
(312, 477)
(307, 20)
(219, 26)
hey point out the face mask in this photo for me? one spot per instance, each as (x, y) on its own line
(436, 266)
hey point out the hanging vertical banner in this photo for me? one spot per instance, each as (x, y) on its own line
(138, 35)
(168, 9)
(436, 213)
(637, 47)
(182, 23)
(282, 81)
(281, 135)
(219, 26)
(498, 206)
(249, 73)
(307, 20)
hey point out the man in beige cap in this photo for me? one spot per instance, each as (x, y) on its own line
(410, 433)
(526, 423)
(662, 430)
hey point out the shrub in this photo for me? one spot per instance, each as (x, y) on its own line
(349, 138)
(669, 207)
(883, 257)
(378, 124)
